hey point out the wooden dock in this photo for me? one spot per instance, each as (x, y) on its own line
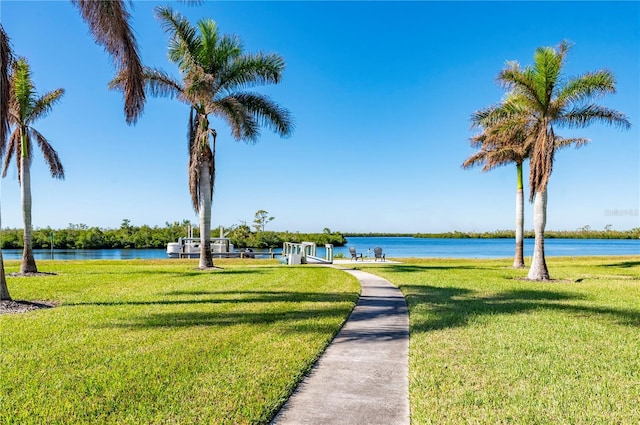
(235, 254)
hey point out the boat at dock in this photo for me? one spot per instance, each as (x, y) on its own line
(190, 248)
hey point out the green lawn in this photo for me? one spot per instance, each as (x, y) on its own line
(487, 347)
(158, 342)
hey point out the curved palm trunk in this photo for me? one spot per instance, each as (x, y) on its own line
(204, 212)
(518, 260)
(5, 54)
(28, 264)
(4, 289)
(538, 269)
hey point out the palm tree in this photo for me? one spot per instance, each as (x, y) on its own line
(504, 141)
(547, 99)
(500, 145)
(215, 74)
(5, 60)
(26, 107)
(108, 21)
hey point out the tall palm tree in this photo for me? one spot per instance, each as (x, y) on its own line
(550, 100)
(26, 107)
(504, 141)
(109, 22)
(215, 74)
(5, 60)
(502, 145)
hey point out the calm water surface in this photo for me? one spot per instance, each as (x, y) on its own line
(393, 247)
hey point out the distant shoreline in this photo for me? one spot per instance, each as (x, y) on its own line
(510, 234)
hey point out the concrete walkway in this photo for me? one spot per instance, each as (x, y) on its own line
(362, 378)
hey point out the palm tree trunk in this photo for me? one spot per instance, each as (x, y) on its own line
(204, 212)
(28, 264)
(538, 269)
(4, 289)
(518, 260)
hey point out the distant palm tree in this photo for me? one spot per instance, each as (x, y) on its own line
(548, 99)
(26, 107)
(5, 60)
(500, 145)
(215, 74)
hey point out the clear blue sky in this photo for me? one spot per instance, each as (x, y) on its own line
(381, 94)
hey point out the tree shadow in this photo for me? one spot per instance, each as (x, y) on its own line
(292, 316)
(290, 320)
(194, 272)
(456, 307)
(623, 264)
(408, 268)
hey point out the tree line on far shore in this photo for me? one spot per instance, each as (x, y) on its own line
(128, 236)
(584, 233)
(81, 236)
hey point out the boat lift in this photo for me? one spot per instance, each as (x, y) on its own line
(305, 253)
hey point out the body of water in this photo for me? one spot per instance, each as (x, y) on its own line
(393, 247)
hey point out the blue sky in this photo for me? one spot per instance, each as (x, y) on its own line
(381, 94)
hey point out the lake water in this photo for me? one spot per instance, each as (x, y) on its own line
(393, 247)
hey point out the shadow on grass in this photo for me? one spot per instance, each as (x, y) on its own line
(408, 268)
(228, 297)
(194, 272)
(623, 264)
(292, 320)
(456, 307)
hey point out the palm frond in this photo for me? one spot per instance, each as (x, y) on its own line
(108, 21)
(43, 105)
(22, 91)
(541, 161)
(578, 142)
(184, 43)
(252, 70)
(6, 57)
(159, 83)
(243, 126)
(13, 147)
(475, 159)
(592, 84)
(582, 116)
(209, 39)
(267, 112)
(50, 155)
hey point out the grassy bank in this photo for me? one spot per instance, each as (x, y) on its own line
(136, 342)
(488, 347)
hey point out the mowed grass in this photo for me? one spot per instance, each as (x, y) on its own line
(487, 347)
(158, 342)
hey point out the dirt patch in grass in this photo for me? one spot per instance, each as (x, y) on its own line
(30, 274)
(23, 306)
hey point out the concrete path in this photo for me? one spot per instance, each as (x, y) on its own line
(362, 378)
